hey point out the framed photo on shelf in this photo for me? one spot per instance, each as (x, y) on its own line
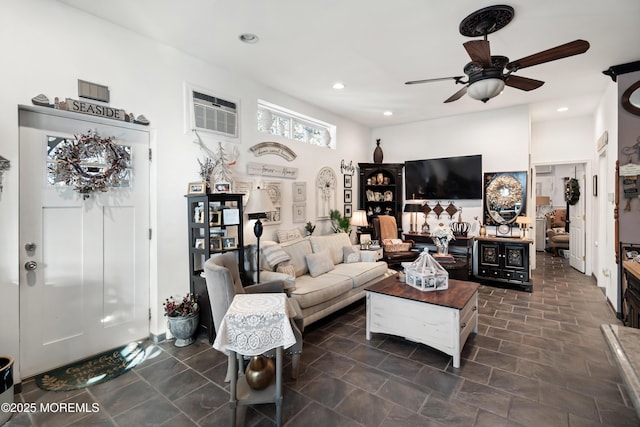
(347, 210)
(348, 181)
(222, 187)
(299, 212)
(299, 191)
(214, 218)
(199, 244)
(215, 243)
(229, 243)
(348, 195)
(197, 188)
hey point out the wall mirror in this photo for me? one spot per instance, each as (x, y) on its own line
(631, 99)
(505, 196)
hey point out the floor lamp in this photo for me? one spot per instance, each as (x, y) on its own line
(257, 207)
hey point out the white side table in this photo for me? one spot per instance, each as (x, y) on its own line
(253, 325)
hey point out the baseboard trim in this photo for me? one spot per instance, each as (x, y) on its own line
(158, 338)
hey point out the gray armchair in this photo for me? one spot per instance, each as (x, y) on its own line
(223, 283)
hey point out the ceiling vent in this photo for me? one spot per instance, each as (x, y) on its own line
(210, 113)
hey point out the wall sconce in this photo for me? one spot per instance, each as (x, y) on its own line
(347, 169)
(5, 165)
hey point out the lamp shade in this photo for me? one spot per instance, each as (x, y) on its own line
(359, 219)
(523, 220)
(412, 207)
(259, 203)
(485, 89)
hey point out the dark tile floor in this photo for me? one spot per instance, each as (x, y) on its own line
(539, 359)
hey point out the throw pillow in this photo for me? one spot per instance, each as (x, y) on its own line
(287, 269)
(274, 255)
(319, 263)
(287, 235)
(350, 255)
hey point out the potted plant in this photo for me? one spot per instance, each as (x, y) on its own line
(183, 315)
(340, 224)
(309, 228)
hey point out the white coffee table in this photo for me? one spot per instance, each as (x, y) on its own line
(440, 319)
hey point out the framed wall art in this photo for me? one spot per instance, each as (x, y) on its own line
(299, 191)
(229, 242)
(347, 210)
(275, 194)
(299, 212)
(348, 196)
(348, 181)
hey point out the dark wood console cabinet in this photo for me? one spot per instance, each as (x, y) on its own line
(631, 294)
(504, 262)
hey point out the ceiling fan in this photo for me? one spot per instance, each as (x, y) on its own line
(488, 74)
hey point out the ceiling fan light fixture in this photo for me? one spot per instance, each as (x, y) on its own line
(485, 89)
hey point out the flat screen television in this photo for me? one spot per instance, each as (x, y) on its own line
(449, 178)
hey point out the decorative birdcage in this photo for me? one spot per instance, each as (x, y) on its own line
(426, 274)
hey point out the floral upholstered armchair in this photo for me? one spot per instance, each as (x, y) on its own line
(557, 230)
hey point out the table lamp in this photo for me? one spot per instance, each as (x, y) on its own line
(413, 209)
(523, 222)
(359, 219)
(257, 207)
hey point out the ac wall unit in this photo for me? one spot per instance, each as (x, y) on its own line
(544, 169)
(213, 114)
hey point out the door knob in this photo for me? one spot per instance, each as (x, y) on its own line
(30, 265)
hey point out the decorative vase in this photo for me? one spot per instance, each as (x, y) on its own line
(442, 245)
(379, 178)
(260, 372)
(183, 328)
(483, 230)
(377, 153)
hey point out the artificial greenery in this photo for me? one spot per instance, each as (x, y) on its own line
(309, 228)
(175, 307)
(340, 224)
(572, 191)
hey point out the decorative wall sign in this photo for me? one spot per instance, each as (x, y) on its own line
(272, 170)
(89, 108)
(299, 212)
(244, 187)
(275, 148)
(347, 169)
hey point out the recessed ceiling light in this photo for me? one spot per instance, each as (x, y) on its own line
(562, 109)
(388, 113)
(248, 38)
(338, 85)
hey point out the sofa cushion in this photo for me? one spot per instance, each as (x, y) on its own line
(274, 255)
(350, 255)
(319, 263)
(312, 291)
(288, 235)
(331, 242)
(360, 272)
(287, 269)
(297, 250)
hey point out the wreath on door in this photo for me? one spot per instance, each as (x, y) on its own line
(89, 163)
(572, 191)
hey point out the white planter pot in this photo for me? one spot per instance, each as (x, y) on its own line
(183, 328)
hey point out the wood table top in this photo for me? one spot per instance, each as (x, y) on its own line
(457, 295)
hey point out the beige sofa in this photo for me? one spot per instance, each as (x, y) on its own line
(318, 280)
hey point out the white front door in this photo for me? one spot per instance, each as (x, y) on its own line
(577, 247)
(84, 282)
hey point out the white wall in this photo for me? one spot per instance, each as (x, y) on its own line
(500, 136)
(47, 46)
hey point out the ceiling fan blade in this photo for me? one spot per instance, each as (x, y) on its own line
(575, 47)
(457, 95)
(415, 82)
(479, 52)
(523, 83)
